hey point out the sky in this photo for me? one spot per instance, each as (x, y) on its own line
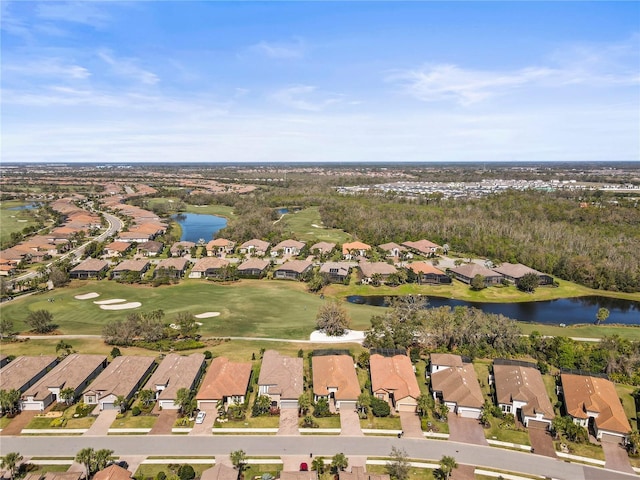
(162, 81)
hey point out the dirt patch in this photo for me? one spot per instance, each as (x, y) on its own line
(87, 296)
(207, 315)
(109, 302)
(121, 306)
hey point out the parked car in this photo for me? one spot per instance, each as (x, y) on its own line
(200, 417)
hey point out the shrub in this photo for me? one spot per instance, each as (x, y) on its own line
(321, 408)
(380, 408)
(161, 475)
(208, 355)
(186, 472)
(58, 422)
(135, 411)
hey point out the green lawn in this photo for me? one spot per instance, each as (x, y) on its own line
(129, 421)
(4, 421)
(582, 449)
(265, 421)
(629, 404)
(506, 435)
(257, 470)
(301, 225)
(382, 423)
(327, 422)
(14, 220)
(414, 473)
(45, 422)
(151, 470)
(482, 371)
(550, 385)
(220, 210)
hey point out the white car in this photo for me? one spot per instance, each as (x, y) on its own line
(200, 417)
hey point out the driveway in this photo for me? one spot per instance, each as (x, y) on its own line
(19, 422)
(102, 423)
(466, 430)
(165, 422)
(350, 423)
(205, 427)
(411, 426)
(463, 472)
(541, 441)
(615, 455)
(288, 422)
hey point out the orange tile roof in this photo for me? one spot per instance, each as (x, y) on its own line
(224, 379)
(458, 385)
(335, 371)
(424, 267)
(113, 472)
(394, 374)
(347, 247)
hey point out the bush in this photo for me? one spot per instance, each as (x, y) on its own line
(208, 355)
(161, 475)
(380, 408)
(321, 408)
(82, 409)
(58, 422)
(135, 411)
(186, 472)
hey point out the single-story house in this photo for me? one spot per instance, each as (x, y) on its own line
(117, 248)
(442, 361)
(76, 371)
(423, 247)
(255, 247)
(520, 390)
(336, 272)
(393, 250)
(175, 372)
(220, 471)
(514, 272)
(322, 248)
(113, 472)
(253, 268)
(151, 248)
(394, 381)
(225, 381)
(281, 379)
(89, 268)
(287, 247)
(359, 473)
(220, 247)
(178, 249)
(466, 273)
(208, 267)
(174, 267)
(123, 377)
(299, 475)
(351, 250)
(428, 274)
(335, 378)
(23, 371)
(4, 360)
(293, 269)
(134, 237)
(370, 270)
(593, 402)
(138, 266)
(7, 269)
(459, 389)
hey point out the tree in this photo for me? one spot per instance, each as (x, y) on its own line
(447, 464)
(333, 319)
(85, 457)
(115, 352)
(425, 402)
(121, 402)
(528, 282)
(9, 400)
(602, 315)
(67, 395)
(184, 401)
(102, 458)
(379, 407)
(261, 405)
(186, 472)
(11, 462)
(41, 321)
(239, 460)
(399, 326)
(633, 443)
(442, 411)
(304, 403)
(146, 397)
(321, 408)
(398, 467)
(477, 283)
(187, 323)
(6, 328)
(64, 347)
(318, 465)
(364, 403)
(339, 462)
(58, 276)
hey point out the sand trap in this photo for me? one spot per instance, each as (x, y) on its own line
(352, 336)
(207, 315)
(316, 226)
(199, 323)
(87, 296)
(109, 302)
(121, 306)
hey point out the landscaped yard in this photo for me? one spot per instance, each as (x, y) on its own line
(151, 470)
(414, 473)
(629, 404)
(430, 424)
(266, 421)
(259, 469)
(382, 423)
(326, 422)
(582, 449)
(520, 437)
(39, 422)
(4, 421)
(129, 421)
(482, 371)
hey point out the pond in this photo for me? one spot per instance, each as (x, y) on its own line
(568, 311)
(28, 206)
(196, 226)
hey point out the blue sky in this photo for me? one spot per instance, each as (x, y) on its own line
(320, 81)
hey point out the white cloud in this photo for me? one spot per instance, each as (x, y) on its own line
(304, 97)
(281, 50)
(48, 67)
(86, 13)
(126, 67)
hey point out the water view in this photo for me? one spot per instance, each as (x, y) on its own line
(568, 311)
(196, 226)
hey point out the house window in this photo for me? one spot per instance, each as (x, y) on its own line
(506, 408)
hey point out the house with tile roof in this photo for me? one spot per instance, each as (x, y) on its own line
(370, 270)
(22, 372)
(593, 402)
(359, 473)
(428, 274)
(209, 267)
(336, 272)
(514, 272)
(220, 247)
(128, 266)
(225, 381)
(393, 250)
(89, 268)
(322, 248)
(113, 472)
(442, 361)
(466, 273)
(335, 378)
(220, 471)
(423, 247)
(352, 250)
(394, 381)
(281, 379)
(254, 247)
(458, 388)
(174, 267)
(292, 270)
(175, 372)
(287, 247)
(117, 248)
(253, 268)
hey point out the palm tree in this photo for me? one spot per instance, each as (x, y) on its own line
(424, 403)
(9, 400)
(67, 395)
(602, 315)
(146, 397)
(121, 402)
(339, 462)
(11, 462)
(85, 457)
(318, 465)
(239, 460)
(102, 458)
(447, 464)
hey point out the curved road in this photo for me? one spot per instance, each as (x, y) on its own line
(253, 445)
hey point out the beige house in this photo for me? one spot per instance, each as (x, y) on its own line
(220, 472)
(113, 472)
(514, 272)
(351, 250)
(520, 390)
(174, 267)
(76, 371)
(281, 379)
(255, 247)
(423, 247)
(89, 268)
(287, 247)
(220, 247)
(253, 268)
(369, 271)
(138, 266)
(175, 372)
(335, 378)
(458, 388)
(394, 381)
(123, 377)
(225, 381)
(208, 267)
(115, 249)
(442, 361)
(322, 248)
(293, 270)
(22, 372)
(466, 273)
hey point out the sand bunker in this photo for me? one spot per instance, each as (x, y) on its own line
(207, 315)
(121, 306)
(352, 336)
(87, 296)
(109, 302)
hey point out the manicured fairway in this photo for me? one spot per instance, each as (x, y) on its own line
(301, 224)
(13, 220)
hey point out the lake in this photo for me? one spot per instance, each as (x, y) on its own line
(569, 311)
(196, 226)
(28, 206)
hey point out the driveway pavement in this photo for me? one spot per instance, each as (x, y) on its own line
(615, 455)
(19, 422)
(350, 423)
(463, 472)
(411, 426)
(466, 430)
(288, 422)
(541, 441)
(165, 422)
(205, 427)
(102, 423)
(133, 462)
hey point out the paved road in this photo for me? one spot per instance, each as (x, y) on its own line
(167, 445)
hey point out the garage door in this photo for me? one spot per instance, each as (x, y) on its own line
(168, 404)
(209, 405)
(108, 406)
(464, 413)
(406, 407)
(346, 405)
(289, 404)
